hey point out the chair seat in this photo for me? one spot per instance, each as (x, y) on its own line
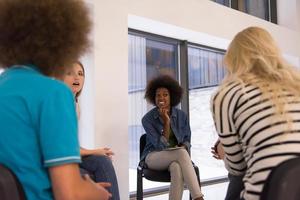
(156, 175)
(153, 175)
(283, 182)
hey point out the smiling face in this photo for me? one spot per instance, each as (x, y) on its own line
(162, 98)
(74, 78)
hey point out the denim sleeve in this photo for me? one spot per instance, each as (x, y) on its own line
(154, 135)
(187, 133)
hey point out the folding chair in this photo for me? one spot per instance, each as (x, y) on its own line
(10, 187)
(283, 182)
(153, 175)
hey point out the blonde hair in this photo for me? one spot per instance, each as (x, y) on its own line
(253, 57)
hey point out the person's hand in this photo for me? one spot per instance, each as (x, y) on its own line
(100, 186)
(214, 150)
(104, 151)
(104, 184)
(164, 113)
(218, 151)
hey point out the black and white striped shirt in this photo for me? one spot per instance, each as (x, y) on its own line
(255, 138)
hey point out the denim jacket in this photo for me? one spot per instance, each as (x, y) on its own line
(153, 126)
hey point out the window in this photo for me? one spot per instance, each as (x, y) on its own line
(258, 8)
(206, 71)
(205, 67)
(264, 9)
(200, 71)
(148, 57)
(223, 2)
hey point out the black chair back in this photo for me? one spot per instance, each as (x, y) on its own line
(142, 143)
(283, 182)
(152, 175)
(10, 187)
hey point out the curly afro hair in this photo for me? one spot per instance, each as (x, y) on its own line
(164, 81)
(47, 33)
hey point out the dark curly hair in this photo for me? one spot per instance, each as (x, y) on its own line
(164, 81)
(49, 34)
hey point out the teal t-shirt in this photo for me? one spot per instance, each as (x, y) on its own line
(38, 128)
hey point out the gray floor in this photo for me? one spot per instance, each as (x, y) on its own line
(214, 192)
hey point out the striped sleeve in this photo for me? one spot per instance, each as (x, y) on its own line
(223, 105)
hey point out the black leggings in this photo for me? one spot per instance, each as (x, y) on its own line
(235, 187)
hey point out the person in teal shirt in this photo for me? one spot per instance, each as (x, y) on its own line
(38, 121)
(37, 127)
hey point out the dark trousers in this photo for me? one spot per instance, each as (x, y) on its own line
(101, 169)
(235, 187)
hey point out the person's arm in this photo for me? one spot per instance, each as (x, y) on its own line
(154, 135)
(186, 131)
(59, 146)
(222, 107)
(218, 151)
(166, 131)
(67, 184)
(166, 120)
(100, 151)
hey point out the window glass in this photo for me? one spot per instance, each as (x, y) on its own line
(223, 2)
(206, 71)
(258, 8)
(148, 58)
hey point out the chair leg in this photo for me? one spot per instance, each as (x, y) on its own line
(139, 191)
(198, 175)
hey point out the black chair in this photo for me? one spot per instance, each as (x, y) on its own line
(153, 175)
(283, 182)
(10, 187)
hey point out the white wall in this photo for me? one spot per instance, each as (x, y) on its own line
(200, 21)
(210, 18)
(298, 14)
(293, 60)
(87, 104)
(289, 14)
(111, 83)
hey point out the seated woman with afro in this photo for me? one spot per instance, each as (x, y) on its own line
(167, 127)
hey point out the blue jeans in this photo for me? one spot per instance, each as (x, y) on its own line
(100, 169)
(235, 187)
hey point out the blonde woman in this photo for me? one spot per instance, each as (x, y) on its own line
(257, 109)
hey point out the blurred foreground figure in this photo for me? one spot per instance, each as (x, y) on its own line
(257, 110)
(38, 136)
